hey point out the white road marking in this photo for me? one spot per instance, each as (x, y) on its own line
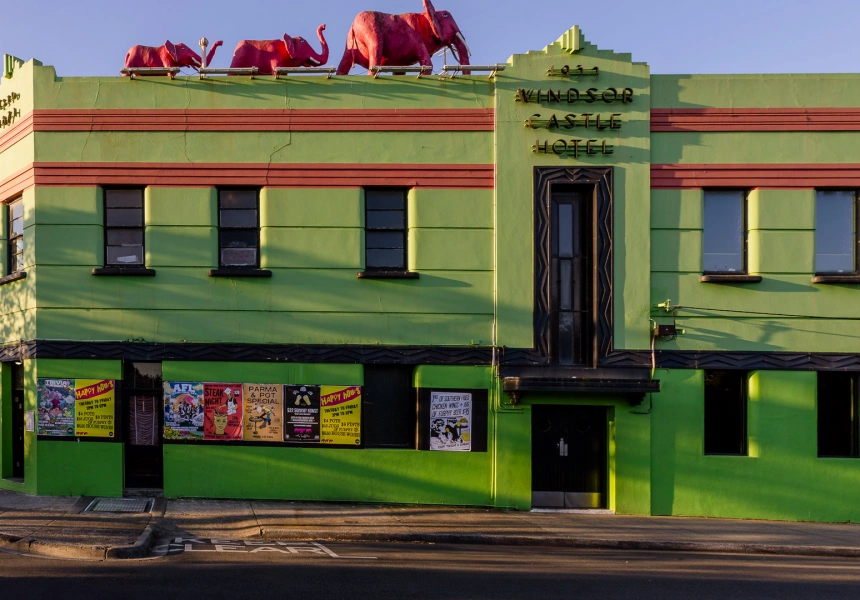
(192, 544)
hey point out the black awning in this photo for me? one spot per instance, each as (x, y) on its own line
(635, 389)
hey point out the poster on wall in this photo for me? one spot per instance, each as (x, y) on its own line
(94, 407)
(222, 411)
(451, 421)
(56, 408)
(183, 410)
(340, 415)
(302, 414)
(263, 415)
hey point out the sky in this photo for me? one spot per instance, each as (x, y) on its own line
(91, 37)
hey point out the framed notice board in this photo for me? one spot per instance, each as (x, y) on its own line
(452, 420)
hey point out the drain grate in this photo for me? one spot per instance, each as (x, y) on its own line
(121, 505)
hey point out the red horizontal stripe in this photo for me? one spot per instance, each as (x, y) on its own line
(755, 119)
(775, 176)
(446, 119)
(19, 130)
(477, 176)
(16, 183)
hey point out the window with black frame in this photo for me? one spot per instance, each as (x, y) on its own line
(836, 232)
(238, 228)
(724, 236)
(388, 407)
(124, 228)
(385, 229)
(15, 224)
(838, 419)
(726, 412)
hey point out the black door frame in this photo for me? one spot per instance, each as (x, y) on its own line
(574, 498)
(18, 415)
(128, 390)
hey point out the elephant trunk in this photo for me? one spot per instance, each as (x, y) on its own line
(322, 57)
(211, 54)
(461, 50)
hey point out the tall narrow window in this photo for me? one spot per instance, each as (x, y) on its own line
(726, 412)
(835, 232)
(16, 236)
(239, 229)
(724, 240)
(838, 421)
(385, 230)
(124, 228)
(571, 277)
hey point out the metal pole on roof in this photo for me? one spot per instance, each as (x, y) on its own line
(203, 44)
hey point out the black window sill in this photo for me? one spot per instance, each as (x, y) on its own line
(13, 277)
(386, 274)
(239, 273)
(729, 278)
(834, 278)
(125, 271)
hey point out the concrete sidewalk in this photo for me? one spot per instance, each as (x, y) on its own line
(57, 526)
(51, 525)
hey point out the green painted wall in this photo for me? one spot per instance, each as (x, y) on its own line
(72, 468)
(404, 476)
(514, 250)
(781, 479)
(781, 90)
(781, 248)
(312, 240)
(261, 92)
(474, 252)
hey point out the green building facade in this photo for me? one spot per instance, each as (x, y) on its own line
(559, 224)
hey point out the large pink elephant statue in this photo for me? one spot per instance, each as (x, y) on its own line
(287, 52)
(377, 39)
(168, 55)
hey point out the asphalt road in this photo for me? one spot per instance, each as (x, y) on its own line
(407, 571)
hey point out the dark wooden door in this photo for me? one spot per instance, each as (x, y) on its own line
(143, 422)
(569, 456)
(570, 277)
(18, 434)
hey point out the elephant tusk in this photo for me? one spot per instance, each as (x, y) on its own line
(454, 52)
(314, 61)
(462, 39)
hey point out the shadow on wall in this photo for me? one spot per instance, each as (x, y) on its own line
(782, 479)
(313, 304)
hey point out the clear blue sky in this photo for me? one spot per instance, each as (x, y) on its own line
(91, 37)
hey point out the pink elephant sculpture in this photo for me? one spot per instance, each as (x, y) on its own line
(266, 55)
(167, 55)
(377, 39)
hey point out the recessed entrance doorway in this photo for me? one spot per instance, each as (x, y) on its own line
(142, 419)
(569, 456)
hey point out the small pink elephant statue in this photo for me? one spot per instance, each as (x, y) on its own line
(167, 55)
(266, 55)
(377, 39)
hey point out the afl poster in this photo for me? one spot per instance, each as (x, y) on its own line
(183, 410)
(451, 421)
